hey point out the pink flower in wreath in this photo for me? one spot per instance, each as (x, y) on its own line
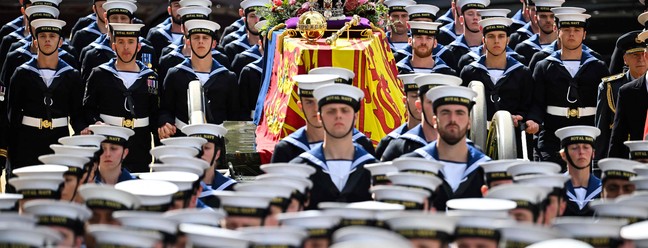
(351, 5)
(292, 2)
(278, 2)
(362, 1)
(304, 8)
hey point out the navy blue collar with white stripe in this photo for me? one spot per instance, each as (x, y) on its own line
(110, 66)
(511, 65)
(526, 29)
(449, 29)
(586, 58)
(447, 16)
(221, 182)
(593, 189)
(216, 67)
(416, 134)
(316, 156)
(396, 133)
(61, 67)
(518, 18)
(406, 63)
(256, 65)
(475, 157)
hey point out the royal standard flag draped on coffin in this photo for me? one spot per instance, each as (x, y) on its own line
(370, 58)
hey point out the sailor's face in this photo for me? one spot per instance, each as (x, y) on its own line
(337, 118)
(126, 47)
(496, 42)
(119, 18)
(234, 222)
(522, 215)
(294, 206)
(173, 11)
(111, 156)
(412, 97)
(201, 43)
(102, 216)
(476, 243)
(613, 188)
(581, 154)
(252, 19)
(69, 187)
(426, 243)
(309, 106)
(453, 122)
(471, 19)
(68, 236)
(428, 110)
(572, 37)
(208, 152)
(316, 243)
(423, 45)
(546, 22)
(99, 10)
(553, 209)
(48, 41)
(399, 18)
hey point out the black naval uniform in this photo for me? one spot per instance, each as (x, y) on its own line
(440, 51)
(548, 50)
(391, 136)
(555, 88)
(446, 18)
(520, 35)
(472, 56)
(24, 54)
(83, 22)
(447, 33)
(608, 92)
(107, 99)
(242, 59)
(236, 26)
(405, 67)
(529, 47)
(460, 47)
(518, 21)
(580, 207)
(84, 37)
(11, 26)
(630, 117)
(238, 46)
(473, 176)
(9, 40)
(175, 57)
(160, 37)
(35, 108)
(102, 53)
(249, 84)
(406, 143)
(221, 95)
(356, 188)
(297, 143)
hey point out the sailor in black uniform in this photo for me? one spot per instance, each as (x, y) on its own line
(508, 84)
(248, 56)
(163, 36)
(100, 51)
(340, 175)
(608, 90)
(123, 92)
(425, 13)
(577, 150)
(461, 173)
(86, 34)
(545, 20)
(521, 17)
(16, 23)
(251, 36)
(251, 78)
(219, 84)
(43, 94)
(451, 26)
(211, 152)
(398, 36)
(565, 86)
(472, 36)
(424, 133)
(310, 135)
(413, 114)
(234, 30)
(423, 60)
(188, 10)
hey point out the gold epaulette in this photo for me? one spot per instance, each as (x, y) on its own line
(612, 78)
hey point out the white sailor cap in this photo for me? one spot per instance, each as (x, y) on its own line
(636, 232)
(74, 150)
(194, 13)
(173, 150)
(147, 221)
(490, 13)
(126, 30)
(197, 26)
(251, 204)
(307, 83)
(110, 235)
(199, 171)
(345, 75)
(245, 5)
(634, 199)
(421, 225)
(415, 180)
(638, 148)
(38, 188)
(40, 12)
(9, 202)
(317, 223)
(556, 181)
(422, 11)
(154, 195)
(207, 236)
(442, 95)
(517, 234)
(298, 170)
(184, 180)
(185, 161)
(601, 230)
(92, 140)
(546, 5)
(522, 168)
(339, 93)
(398, 5)
(496, 208)
(201, 3)
(497, 170)
(282, 236)
(280, 192)
(107, 197)
(577, 134)
(193, 142)
(641, 170)
(617, 168)
(294, 181)
(640, 182)
(51, 3)
(425, 82)
(572, 20)
(571, 243)
(472, 4)
(379, 172)
(367, 243)
(408, 81)
(66, 214)
(524, 195)
(47, 25)
(411, 198)
(210, 132)
(120, 7)
(495, 24)
(417, 165)
(12, 235)
(260, 25)
(41, 171)
(368, 233)
(568, 10)
(197, 216)
(359, 213)
(18, 219)
(631, 212)
(74, 163)
(471, 226)
(424, 28)
(113, 134)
